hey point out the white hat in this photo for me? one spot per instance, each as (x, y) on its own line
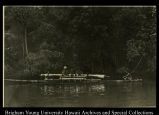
(65, 67)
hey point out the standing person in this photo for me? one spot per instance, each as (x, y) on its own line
(64, 71)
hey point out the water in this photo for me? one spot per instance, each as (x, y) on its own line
(109, 94)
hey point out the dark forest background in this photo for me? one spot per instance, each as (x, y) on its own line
(103, 40)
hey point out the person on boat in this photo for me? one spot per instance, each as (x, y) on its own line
(64, 71)
(79, 72)
(46, 76)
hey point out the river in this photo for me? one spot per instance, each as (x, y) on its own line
(109, 94)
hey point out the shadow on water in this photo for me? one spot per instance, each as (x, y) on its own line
(109, 94)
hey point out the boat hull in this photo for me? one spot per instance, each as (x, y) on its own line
(54, 81)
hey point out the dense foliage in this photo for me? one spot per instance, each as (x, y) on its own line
(106, 40)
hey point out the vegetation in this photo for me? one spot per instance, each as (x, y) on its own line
(107, 40)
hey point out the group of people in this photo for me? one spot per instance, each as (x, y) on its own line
(66, 72)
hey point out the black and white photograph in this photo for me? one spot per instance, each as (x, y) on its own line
(79, 56)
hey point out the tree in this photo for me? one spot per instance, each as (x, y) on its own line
(23, 21)
(91, 39)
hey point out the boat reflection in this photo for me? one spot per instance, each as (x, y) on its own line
(108, 94)
(72, 90)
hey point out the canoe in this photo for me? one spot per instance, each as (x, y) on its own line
(100, 76)
(135, 80)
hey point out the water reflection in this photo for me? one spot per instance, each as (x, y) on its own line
(108, 94)
(71, 90)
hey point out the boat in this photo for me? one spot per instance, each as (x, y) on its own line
(70, 79)
(62, 79)
(132, 80)
(73, 78)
